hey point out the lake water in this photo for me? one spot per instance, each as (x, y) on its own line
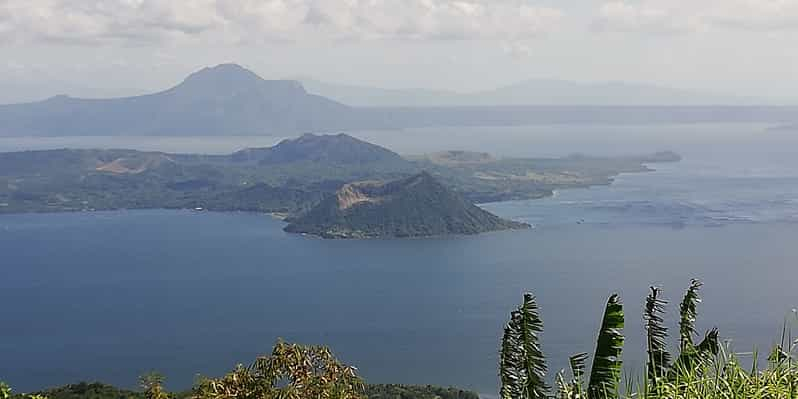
(108, 296)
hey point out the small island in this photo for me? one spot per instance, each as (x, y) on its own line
(417, 206)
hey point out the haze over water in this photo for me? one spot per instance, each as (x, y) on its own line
(110, 295)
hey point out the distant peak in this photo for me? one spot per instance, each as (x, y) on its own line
(229, 66)
(226, 77)
(225, 72)
(59, 97)
(309, 136)
(326, 137)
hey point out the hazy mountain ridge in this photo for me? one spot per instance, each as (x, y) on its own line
(228, 100)
(530, 92)
(16, 92)
(224, 100)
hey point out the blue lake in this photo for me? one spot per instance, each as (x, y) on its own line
(108, 296)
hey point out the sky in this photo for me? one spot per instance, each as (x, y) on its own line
(741, 47)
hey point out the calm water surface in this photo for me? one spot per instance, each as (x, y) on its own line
(107, 296)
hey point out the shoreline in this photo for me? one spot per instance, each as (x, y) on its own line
(281, 215)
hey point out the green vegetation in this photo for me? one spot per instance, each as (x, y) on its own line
(522, 365)
(606, 371)
(97, 390)
(6, 393)
(93, 390)
(482, 180)
(288, 178)
(394, 391)
(417, 206)
(333, 186)
(702, 370)
(706, 370)
(291, 371)
(265, 180)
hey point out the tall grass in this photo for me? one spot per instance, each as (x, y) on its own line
(703, 370)
(724, 377)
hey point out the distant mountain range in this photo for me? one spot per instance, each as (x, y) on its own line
(530, 92)
(26, 90)
(230, 100)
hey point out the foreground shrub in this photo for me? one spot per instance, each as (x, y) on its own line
(702, 370)
(290, 372)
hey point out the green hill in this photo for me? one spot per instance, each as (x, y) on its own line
(335, 149)
(291, 177)
(417, 206)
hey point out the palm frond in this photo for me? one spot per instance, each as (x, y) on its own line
(522, 365)
(563, 388)
(688, 311)
(710, 345)
(577, 363)
(693, 357)
(511, 359)
(605, 375)
(534, 361)
(656, 334)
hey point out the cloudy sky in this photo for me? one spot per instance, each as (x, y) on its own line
(729, 46)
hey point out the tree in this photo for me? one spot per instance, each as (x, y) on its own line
(5, 390)
(152, 384)
(291, 372)
(6, 393)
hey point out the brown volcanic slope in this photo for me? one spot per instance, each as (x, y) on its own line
(418, 206)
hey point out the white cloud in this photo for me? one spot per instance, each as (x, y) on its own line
(758, 15)
(77, 21)
(673, 16)
(645, 17)
(146, 21)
